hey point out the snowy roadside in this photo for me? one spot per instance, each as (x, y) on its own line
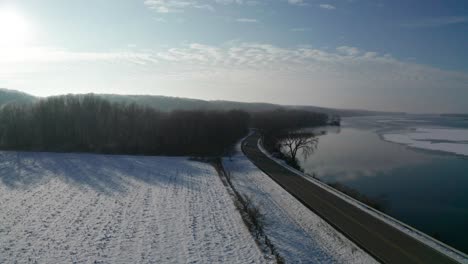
(83, 208)
(299, 235)
(422, 237)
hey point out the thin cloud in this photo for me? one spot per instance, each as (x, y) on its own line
(346, 70)
(247, 20)
(230, 54)
(349, 51)
(57, 55)
(327, 6)
(176, 6)
(297, 2)
(436, 22)
(300, 29)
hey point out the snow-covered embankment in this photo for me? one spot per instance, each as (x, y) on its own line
(299, 235)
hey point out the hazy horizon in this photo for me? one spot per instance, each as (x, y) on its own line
(246, 102)
(361, 54)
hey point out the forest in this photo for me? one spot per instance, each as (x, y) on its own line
(89, 123)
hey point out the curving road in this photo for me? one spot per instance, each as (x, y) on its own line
(384, 242)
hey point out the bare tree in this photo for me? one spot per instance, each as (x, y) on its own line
(293, 142)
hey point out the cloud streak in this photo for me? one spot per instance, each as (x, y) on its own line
(346, 77)
(177, 6)
(247, 20)
(327, 6)
(299, 29)
(297, 2)
(346, 60)
(436, 22)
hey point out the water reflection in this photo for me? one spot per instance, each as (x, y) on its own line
(347, 154)
(424, 189)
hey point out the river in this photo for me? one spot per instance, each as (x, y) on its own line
(416, 165)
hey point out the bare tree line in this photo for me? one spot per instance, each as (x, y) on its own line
(91, 124)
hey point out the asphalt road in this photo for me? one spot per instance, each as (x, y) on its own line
(384, 242)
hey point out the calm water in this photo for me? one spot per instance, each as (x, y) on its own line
(427, 190)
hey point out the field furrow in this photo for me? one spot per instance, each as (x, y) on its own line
(77, 208)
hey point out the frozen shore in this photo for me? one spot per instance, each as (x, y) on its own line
(438, 139)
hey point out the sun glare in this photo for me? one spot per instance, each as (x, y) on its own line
(14, 28)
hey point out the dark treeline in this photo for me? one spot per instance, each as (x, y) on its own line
(281, 120)
(275, 125)
(91, 124)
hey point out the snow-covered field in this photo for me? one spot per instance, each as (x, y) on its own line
(440, 139)
(80, 208)
(299, 234)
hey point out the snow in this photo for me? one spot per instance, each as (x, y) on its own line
(402, 120)
(82, 208)
(438, 139)
(441, 134)
(416, 234)
(299, 235)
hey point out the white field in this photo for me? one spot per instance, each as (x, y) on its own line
(456, 140)
(80, 208)
(299, 234)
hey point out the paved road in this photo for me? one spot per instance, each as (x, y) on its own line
(386, 243)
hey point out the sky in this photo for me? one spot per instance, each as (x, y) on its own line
(395, 55)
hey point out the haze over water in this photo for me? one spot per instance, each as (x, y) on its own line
(423, 188)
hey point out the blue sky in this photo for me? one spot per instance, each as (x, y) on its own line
(375, 54)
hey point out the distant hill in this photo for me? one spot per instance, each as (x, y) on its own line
(456, 115)
(345, 112)
(167, 104)
(13, 97)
